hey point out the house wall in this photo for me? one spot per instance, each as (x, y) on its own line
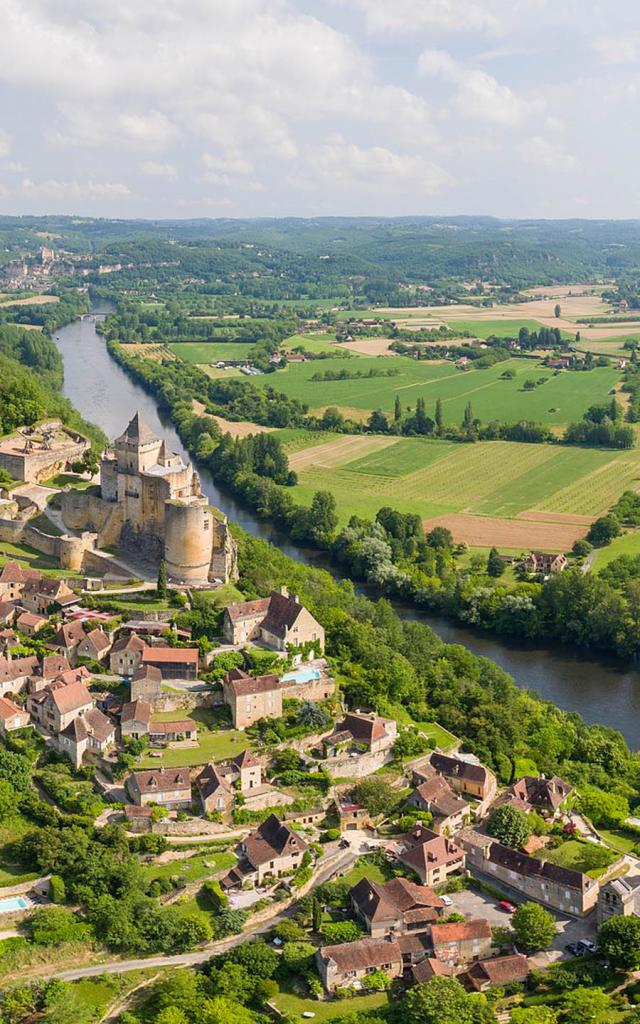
(332, 979)
(245, 710)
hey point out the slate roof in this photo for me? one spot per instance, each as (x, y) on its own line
(158, 780)
(457, 768)
(423, 849)
(273, 838)
(542, 792)
(137, 431)
(522, 864)
(210, 780)
(242, 684)
(281, 613)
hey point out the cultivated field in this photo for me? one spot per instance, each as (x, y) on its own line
(156, 353)
(369, 346)
(210, 351)
(32, 300)
(497, 492)
(563, 397)
(242, 428)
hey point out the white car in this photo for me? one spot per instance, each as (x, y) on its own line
(448, 902)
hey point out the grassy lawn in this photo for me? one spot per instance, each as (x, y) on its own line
(626, 842)
(210, 351)
(191, 869)
(438, 735)
(295, 1006)
(212, 746)
(627, 544)
(62, 479)
(30, 558)
(313, 343)
(366, 868)
(592, 860)
(146, 601)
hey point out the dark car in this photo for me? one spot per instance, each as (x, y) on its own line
(573, 948)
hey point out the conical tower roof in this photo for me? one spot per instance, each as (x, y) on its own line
(138, 431)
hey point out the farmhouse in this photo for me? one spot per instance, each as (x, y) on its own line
(57, 704)
(169, 787)
(126, 655)
(461, 941)
(342, 965)
(252, 697)
(146, 683)
(135, 719)
(273, 850)
(161, 733)
(562, 889)
(449, 811)
(30, 624)
(432, 857)
(465, 776)
(94, 645)
(396, 907)
(91, 731)
(277, 621)
(367, 731)
(544, 563)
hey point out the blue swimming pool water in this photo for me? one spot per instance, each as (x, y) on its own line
(12, 903)
(302, 675)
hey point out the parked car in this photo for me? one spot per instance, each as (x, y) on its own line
(505, 905)
(586, 946)
(343, 844)
(573, 948)
(448, 902)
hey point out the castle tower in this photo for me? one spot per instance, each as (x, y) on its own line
(138, 448)
(188, 539)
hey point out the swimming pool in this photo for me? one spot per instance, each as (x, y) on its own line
(13, 903)
(302, 675)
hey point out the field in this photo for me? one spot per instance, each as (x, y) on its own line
(561, 399)
(497, 492)
(311, 342)
(32, 300)
(191, 867)
(210, 351)
(627, 544)
(239, 428)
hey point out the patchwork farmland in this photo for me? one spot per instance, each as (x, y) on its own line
(495, 492)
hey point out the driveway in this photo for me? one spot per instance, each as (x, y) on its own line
(474, 904)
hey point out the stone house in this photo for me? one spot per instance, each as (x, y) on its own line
(462, 941)
(450, 812)
(12, 716)
(91, 731)
(135, 719)
(215, 790)
(67, 639)
(172, 662)
(169, 787)
(13, 578)
(94, 645)
(8, 612)
(546, 796)
(569, 892)
(146, 684)
(278, 621)
(56, 706)
(251, 698)
(352, 816)
(396, 907)
(466, 777)
(432, 857)
(366, 731)
(161, 733)
(126, 655)
(14, 673)
(430, 968)
(544, 563)
(29, 623)
(342, 965)
(619, 896)
(272, 850)
(54, 667)
(501, 970)
(40, 595)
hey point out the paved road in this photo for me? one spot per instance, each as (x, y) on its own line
(341, 864)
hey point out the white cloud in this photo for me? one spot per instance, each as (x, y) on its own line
(54, 189)
(493, 17)
(5, 144)
(342, 165)
(478, 94)
(542, 151)
(619, 48)
(158, 170)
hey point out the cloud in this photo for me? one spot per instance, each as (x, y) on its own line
(493, 17)
(158, 170)
(479, 95)
(618, 49)
(542, 151)
(54, 189)
(342, 165)
(5, 145)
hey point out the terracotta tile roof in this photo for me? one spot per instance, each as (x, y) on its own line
(150, 672)
(99, 725)
(423, 849)
(136, 711)
(14, 668)
(243, 684)
(365, 728)
(132, 642)
(460, 931)
(429, 968)
(98, 639)
(9, 708)
(158, 780)
(7, 610)
(133, 811)
(30, 620)
(69, 635)
(53, 665)
(499, 970)
(170, 655)
(167, 728)
(397, 898)
(247, 609)
(412, 944)
(210, 780)
(357, 956)
(246, 760)
(13, 572)
(70, 697)
(75, 675)
(273, 838)
(436, 793)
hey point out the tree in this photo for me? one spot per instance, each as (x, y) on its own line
(378, 422)
(50, 926)
(439, 415)
(376, 795)
(323, 516)
(509, 826)
(557, 310)
(313, 716)
(467, 419)
(533, 1015)
(619, 940)
(584, 1005)
(438, 1001)
(440, 537)
(260, 960)
(534, 927)
(8, 800)
(316, 915)
(603, 530)
(289, 931)
(230, 922)
(397, 410)
(341, 931)
(495, 565)
(161, 586)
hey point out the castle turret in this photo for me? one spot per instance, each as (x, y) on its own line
(188, 541)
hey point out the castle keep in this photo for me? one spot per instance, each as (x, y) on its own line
(150, 503)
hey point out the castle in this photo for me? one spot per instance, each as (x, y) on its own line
(150, 504)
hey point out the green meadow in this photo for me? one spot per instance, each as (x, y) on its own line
(210, 351)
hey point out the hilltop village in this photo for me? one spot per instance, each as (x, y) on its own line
(426, 865)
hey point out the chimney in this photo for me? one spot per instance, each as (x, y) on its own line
(284, 591)
(295, 599)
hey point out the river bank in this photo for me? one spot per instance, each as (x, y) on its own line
(602, 691)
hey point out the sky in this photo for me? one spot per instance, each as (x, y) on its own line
(243, 108)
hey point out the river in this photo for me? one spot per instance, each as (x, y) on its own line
(602, 691)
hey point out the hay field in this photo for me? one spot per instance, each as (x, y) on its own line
(513, 495)
(210, 351)
(242, 428)
(369, 346)
(563, 398)
(32, 300)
